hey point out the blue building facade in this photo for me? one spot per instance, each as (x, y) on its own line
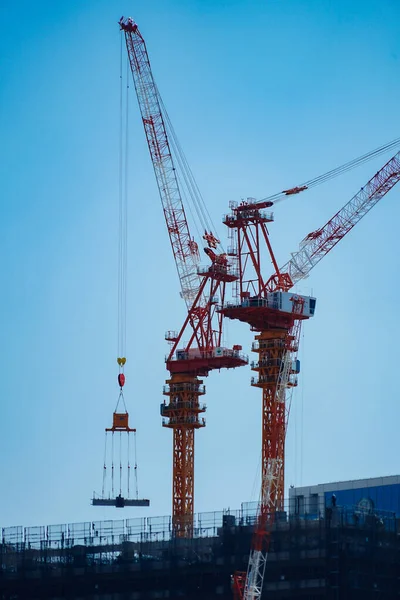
(379, 497)
(365, 495)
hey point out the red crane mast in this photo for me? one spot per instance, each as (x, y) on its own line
(276, 314)
(201, 287)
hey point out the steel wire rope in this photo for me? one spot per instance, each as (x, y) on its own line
(136, 468)
(178, 155)
(352, 164)
(303, 353)
(183, 192)
(129, 468)
(104, 466)
(185, 180)
(209, 224)
(120, 214)
(125, 217)
(191, 183)
(186, 173)
(196, 195)
(120, 322)
(112, 463)
(123, 212)
(121, 395)
(120, 462)
(188, 204)
(295, 418)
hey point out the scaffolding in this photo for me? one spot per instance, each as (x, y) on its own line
(334, 552)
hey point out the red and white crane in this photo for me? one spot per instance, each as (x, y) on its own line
(276, 313)
(202, 288)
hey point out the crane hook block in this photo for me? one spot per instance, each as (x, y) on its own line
(121, 361)
(121, 380)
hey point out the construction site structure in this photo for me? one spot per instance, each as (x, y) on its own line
(276, 313)
(202, 288)
(320, 553)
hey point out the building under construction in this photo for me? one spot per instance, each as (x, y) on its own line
(319, 549)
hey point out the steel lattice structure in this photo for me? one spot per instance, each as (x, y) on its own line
(318, 243)
(278, 337)
(200, 288)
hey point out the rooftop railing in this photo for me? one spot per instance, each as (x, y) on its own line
(206, 524)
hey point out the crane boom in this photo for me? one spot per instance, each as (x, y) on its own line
(318, 243)
(202, 288)
(184, 248)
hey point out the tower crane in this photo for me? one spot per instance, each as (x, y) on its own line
(276, 314)
(202, 288)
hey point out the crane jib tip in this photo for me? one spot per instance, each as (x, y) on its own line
(127, 24)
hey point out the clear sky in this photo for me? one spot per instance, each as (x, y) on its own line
(263, 94)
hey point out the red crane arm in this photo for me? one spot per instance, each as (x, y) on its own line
(318, 243)
(184, 248)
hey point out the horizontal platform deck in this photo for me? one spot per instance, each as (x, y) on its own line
(120, 502)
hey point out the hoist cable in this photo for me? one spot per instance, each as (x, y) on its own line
(175, 147)
(112, 463)
(186, 173)
(120, 219)
(120, 463)
(197, 193)
(129, 468)
(104, 466)
(125, 215)
(136, 468)
(123, 212)
(302, 413)
(352, 164)
(193, 190)
(123, 173)
(188, 204)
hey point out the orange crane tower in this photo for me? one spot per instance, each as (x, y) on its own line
(276, 314)
(202, 288)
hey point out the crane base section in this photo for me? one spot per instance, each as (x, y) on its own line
(120, 502)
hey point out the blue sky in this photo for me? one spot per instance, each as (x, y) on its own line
(263, 95)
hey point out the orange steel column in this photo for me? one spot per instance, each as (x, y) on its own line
(271, 347)
(183, 412)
